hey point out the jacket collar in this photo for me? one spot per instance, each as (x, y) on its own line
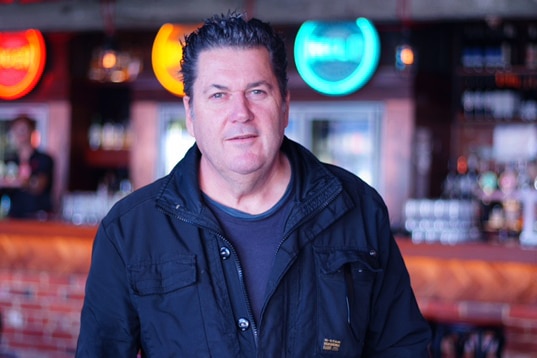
(314, 183)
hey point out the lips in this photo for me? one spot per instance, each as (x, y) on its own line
(243, 136)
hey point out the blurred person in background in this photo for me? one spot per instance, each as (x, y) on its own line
(250, 247)
(31, 185)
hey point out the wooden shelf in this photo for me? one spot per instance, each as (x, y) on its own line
(493, 71)
(490, 120)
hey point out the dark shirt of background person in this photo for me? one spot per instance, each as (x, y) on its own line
(32, 196)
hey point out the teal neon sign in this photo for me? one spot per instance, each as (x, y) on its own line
(337, 58)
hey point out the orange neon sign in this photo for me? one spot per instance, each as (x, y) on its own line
(22, 60)
(166, 56)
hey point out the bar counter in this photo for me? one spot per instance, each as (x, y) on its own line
(475, 283)
(45, 246)
(463, 272)
(478, 283)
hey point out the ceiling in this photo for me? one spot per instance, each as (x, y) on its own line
(86, 15)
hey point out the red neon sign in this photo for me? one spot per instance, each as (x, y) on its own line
(22, 60)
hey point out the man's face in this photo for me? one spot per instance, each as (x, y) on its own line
(21, 134)
(237, 114)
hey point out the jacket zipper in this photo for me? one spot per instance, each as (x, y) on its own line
(238, 266)
(239, 269)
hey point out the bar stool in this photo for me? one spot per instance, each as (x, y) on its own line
(462, 340)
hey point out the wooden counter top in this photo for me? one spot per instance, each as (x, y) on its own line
(45, 246)
(475, 283)
(470, 251)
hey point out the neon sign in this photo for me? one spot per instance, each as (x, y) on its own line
(22, 60)
(166, 56)
(337, 58)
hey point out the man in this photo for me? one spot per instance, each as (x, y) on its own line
(31, 191)
(250, 247)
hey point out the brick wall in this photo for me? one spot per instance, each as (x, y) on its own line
(41, 316)
(478, 284)
(43, 268)
(521, 333)
(41, 313)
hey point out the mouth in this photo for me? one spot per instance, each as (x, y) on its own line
(242, 137)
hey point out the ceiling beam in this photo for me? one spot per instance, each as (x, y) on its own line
(85, 15)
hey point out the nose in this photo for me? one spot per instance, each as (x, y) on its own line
(241, 108)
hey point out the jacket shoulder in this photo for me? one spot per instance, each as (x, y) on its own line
(354, 185)
(145, 195)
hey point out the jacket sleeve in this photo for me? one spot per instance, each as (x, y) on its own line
(397, 327)
(109, 325)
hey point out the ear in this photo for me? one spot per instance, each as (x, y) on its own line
(188, 113)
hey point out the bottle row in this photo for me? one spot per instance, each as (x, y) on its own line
(497, 56)
(499, 45)
(505, 194)
(498, 105)
(479, 178)
(109, 136)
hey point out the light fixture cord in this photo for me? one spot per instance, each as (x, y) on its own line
(108, 12)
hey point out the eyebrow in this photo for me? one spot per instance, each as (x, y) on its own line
(259, 83)
(249, 86)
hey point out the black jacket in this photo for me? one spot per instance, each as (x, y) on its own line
(165, 280)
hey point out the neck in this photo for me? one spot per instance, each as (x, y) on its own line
(25, 152)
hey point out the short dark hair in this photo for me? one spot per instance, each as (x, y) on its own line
(30, 122)
(233, 30)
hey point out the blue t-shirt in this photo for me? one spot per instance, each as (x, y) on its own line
(255, 239)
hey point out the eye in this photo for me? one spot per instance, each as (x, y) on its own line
(217, 95)
(257, 93)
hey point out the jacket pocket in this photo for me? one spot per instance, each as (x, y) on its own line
(169, 274)
(345, 283)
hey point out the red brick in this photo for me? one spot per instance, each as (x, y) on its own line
(5, 305)
(33, 305)
(61, 308)
(439, 311)
(61, 334)
(527, 312)
(8, 331)
(78, 280)
(60, 280)
(42, 348)
(28, 278)
(522, 348)
(6, 276)
(47, 295)
(517, 329)
(76, 296)
(22, 291)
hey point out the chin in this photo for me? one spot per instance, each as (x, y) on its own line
(245, 166)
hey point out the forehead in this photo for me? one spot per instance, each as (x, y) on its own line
(20, 125)
(234, 61)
